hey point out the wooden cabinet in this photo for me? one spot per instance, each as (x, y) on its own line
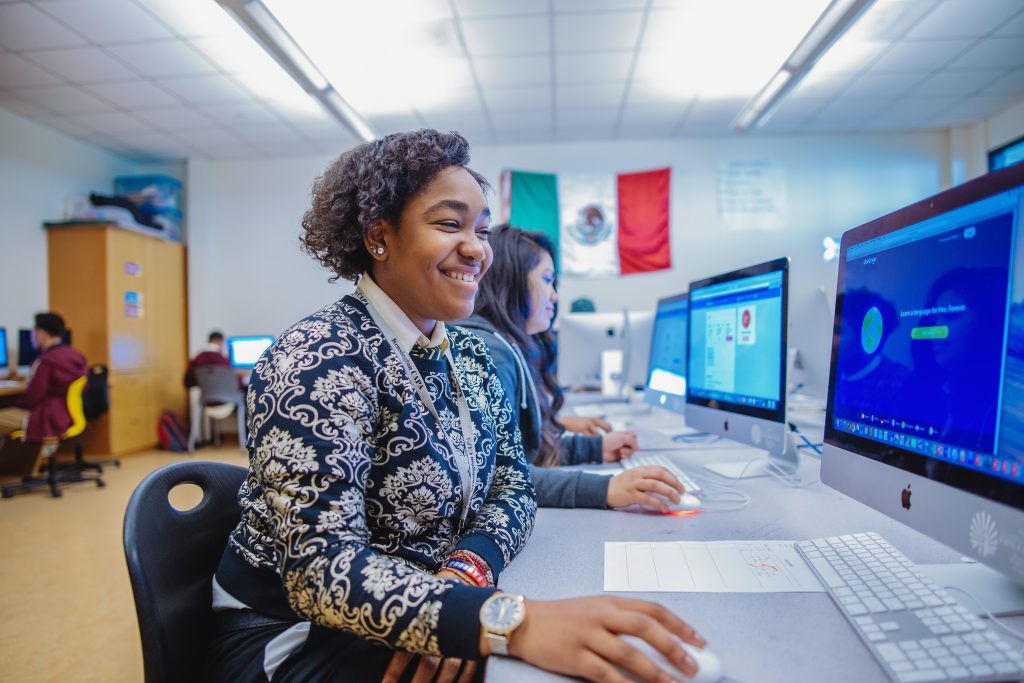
(123, 295)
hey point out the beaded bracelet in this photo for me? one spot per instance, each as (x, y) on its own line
(476, 561)
(470, 570)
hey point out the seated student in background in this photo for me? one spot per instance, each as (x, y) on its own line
(42, 410)
(387, 488)
(514, 310)
(211, 354)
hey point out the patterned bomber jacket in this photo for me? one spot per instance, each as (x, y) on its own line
(353, 499)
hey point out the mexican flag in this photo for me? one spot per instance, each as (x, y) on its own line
(602, 224)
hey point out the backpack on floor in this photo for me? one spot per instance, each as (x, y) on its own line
(172, 432)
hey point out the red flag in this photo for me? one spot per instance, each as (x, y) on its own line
(643, 221)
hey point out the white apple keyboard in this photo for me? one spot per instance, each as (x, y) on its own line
(646, 459)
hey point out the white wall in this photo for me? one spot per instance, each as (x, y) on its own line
(247, 274)
(39, 167)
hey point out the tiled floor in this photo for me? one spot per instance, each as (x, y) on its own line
(66, 608)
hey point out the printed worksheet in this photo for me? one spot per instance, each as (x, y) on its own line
(712, 567)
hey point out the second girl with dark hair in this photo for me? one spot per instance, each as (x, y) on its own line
(513, 313)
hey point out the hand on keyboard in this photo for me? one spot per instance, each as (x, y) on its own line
(617, 446)
(648, 486)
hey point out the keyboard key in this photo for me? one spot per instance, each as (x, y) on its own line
(921, 676)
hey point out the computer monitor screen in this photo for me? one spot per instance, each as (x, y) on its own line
(26, 349)
(3, 348)
(243, 352)
(736, 358)
(666, 377)
(582, 337)
(927, 374)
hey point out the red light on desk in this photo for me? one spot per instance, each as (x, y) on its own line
(682, 513)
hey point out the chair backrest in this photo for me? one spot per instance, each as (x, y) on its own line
(96, 395)
(218, 383)
(172, 556)
(75, 408)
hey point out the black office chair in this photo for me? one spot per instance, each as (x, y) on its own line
(95, 402)
(172, 556)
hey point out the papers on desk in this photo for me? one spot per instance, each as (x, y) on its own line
(712, 567)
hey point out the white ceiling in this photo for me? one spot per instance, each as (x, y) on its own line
(177, 78)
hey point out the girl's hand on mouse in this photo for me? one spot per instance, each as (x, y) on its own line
(638, 486)
(582, 637)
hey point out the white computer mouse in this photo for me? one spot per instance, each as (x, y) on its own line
(687, 503)
(709, 668)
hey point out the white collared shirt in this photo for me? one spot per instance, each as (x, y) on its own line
(408, 334)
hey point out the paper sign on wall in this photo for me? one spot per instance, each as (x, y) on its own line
(752, 195)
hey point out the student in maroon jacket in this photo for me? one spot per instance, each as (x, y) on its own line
(212, 354)
(43, 408)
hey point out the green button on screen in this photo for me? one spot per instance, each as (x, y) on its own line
(936, 332)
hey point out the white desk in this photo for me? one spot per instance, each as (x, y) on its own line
(761, 637)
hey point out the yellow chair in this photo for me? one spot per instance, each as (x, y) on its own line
(48, 450)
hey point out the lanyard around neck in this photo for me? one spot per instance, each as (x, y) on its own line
(465, 460)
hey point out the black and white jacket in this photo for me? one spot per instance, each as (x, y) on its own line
(353, 501)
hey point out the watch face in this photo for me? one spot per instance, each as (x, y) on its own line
(502, 612)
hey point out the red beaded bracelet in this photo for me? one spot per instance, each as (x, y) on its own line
(476, 561)
(470, 570)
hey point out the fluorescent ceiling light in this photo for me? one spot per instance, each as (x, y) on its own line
(834, 21)
(264, 27)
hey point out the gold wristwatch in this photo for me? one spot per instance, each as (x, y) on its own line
(500, 615)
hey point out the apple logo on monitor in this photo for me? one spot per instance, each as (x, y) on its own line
(905, 497)
(726, 423)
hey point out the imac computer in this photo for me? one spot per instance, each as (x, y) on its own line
(582, 337)
(924, 420)
(736, 364)
(243, 352)
(666, 377)
(27, 351)
(636, 347)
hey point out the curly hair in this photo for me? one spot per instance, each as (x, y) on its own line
(370, 183)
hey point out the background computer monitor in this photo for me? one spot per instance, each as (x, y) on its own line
(666, 378)
(924, 419)
(581, 339)
(636, 347)
(27, 352)
(736, 363)
(4, 360)
(243, 352)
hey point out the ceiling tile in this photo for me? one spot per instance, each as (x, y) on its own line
(152, 143)
(500, 8)
(593, 67)
(107, 21)
(132, 94)
(883, 84)
(193, 18)
(1010, 84)
(394, 123)
(712, 114)
(175, 118)
(973, 109)
(1004, 53)
(520, 98)
(959, 19)
(650, 122)
(920, 108)
(794, 112)
(585, 96)
(818, 86)
(647, 93)
(164, 58)
(958, 82)
(280, 148)
(240, 114)
(605, 31)
(213, 89)
(63, 98)
(64, 124)
(1013, 27)
(516, 124)
(260, 133)
(507, 35)
(16, 72)
(851, 110)
(508, 71)
(470, 126)
(890, 20)
(524, 136)
(11, 102)
(587, 118)
(81, 64)
(571, 6)
(212, 136)
(111, 123)
(920, 55)
(22, 26)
